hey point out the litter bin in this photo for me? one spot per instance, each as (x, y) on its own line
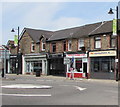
(38, 73)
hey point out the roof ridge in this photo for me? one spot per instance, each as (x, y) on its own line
(38, 29)
(102, 23)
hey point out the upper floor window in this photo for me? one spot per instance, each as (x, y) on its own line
(112, 41)
(43, 46)
(64, 45)
(80, 43)
(53, 47)
(32, 47)
(97, 42)
(69, 45)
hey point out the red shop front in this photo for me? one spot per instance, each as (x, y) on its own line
(79, 65)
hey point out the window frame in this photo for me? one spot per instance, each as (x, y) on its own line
(69, 41)
(43, 45)
(32, 47)
(111, 42)
(64, 46)
(97, 39)
(53, 46)
(81, 40)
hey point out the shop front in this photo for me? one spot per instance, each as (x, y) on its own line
(55, 64)
(102, 64)
(78, 64)
(33, 63)
(15, 62)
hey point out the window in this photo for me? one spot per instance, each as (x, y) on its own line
(113, 42)
(80, 43)
(53, 47)
(64, 45)
(69, 45)
(32, 47)
(79, 65)
(97, 42)
(43, 46)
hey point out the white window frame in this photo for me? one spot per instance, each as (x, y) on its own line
(33, 45)
(69, 42)
(97, 42)
(43, 43)
(80, 43)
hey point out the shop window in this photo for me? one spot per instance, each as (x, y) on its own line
(53, 47)
(69, 45)
(97, 42)
(32, 47)
(78, 65)
(80, 44)
(64, 45)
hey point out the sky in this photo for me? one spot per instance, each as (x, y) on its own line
(50, 16)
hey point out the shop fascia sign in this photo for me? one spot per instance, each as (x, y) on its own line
(102, 53)
(76, 55)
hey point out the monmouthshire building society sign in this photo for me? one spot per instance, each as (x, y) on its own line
(102, 53)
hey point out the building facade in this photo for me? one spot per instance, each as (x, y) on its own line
(87, 51)
(32, 47)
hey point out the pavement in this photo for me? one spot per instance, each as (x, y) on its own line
(14, 76)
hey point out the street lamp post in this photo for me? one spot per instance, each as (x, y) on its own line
(117, 44)
(13, 30)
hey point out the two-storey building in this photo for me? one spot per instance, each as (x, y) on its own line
(71, 44)
(32, 47)
(90, 50)
(102, 53)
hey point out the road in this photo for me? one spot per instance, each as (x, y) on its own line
(63, 91)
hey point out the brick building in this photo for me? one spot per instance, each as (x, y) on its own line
(90, 50)
(102, 53)
(32, 47)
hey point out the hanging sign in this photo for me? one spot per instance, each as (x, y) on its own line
(114, 27)
(16, 40)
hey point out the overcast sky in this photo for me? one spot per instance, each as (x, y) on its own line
(50, 15)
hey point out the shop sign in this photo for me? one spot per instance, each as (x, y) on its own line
(76, 55)
(66, 61)
(114, 27)
(102, 53)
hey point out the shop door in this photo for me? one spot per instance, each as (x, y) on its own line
(13, 68)
(85, 69)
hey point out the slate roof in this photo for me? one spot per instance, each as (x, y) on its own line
(85, 30)
(76, 32)
(37, 34)
(106, 27)
(63, 34)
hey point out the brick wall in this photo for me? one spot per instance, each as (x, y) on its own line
(74, 45)
(25, 44)
(105, 41)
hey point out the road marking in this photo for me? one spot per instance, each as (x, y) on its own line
(80, 88)
(77, 87)
(27, 86)
(27, 95)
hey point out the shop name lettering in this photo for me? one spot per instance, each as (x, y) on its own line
(103, 53)
(77, 55)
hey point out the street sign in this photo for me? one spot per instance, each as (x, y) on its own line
(4, 54)
(66, 61)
